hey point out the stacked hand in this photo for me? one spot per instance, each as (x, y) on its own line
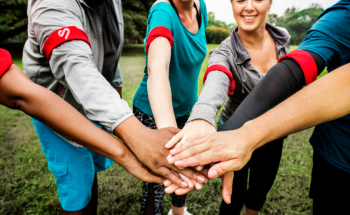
(148, 146)
(192, 149)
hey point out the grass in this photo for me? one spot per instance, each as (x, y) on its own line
(28, 187)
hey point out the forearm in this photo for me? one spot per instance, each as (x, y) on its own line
(324, 100)
(159, 94)
(42, 104)
(73, 66)
(158, 84)
(212, 97)
(120, 91)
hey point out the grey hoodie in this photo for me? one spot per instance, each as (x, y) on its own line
(232, 55)
(73, 64)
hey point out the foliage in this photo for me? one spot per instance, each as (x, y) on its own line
(135, 13)
(217, 23)
(216, 34)
(217, 30)
(297, 22)
(13, 18)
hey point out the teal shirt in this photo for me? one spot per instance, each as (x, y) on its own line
(187, 56)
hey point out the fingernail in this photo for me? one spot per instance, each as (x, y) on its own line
(171, 159)
(198, 186)
(228, 199)
(201, 178)
(184, 184)
(169, 156)
(166, 183)
(214, 173)
(173, 151)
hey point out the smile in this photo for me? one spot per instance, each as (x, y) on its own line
(249, 18)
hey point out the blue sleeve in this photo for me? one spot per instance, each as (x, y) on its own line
(329, 37)
(160, 17)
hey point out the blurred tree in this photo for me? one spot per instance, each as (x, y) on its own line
(216, 23)
(13, 18)
(135, 13)
(297, 22)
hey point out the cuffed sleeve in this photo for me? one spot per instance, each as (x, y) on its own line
(212, 97)
(118, 78)
(72, 64)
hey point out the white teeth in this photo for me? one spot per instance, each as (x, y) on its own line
(249, 17)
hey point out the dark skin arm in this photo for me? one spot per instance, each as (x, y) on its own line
(18, 92)
(120, 91)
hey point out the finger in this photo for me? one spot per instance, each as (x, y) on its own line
(198, 186)
(167, 183)
(173, 130)
(199, 168)
(148, 177)
(203, 158)
(182, 191)
(227, 181)
(174, 140)
(190, 152)
(186, 144)
(197, 177)
(171, 189)
(168, 174)
(189, 181)
(221, 168)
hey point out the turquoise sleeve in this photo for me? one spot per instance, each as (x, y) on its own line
(328, 37)
(160, 17)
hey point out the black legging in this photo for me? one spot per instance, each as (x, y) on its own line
(262, 168)
(282, 81)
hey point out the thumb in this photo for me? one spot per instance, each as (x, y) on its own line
(221, 168)
(174, 140)
(227, 181)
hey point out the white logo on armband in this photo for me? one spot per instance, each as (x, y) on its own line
(66, 31)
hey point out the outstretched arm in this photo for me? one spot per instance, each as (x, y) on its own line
(325, 100)
(18, 92)
(281, 82)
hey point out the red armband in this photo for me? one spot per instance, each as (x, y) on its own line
(159, 32)
(225, 70)
(62, 35)
(306, 62)
(5, 61)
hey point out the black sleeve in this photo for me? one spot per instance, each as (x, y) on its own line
(281, 82)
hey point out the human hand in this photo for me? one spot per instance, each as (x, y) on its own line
(192, 130)
(232, 149)
(227, 180)
(148, 146)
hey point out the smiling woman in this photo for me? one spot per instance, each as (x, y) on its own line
(234, 69)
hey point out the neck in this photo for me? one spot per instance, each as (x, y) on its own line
(252, 40)
(184, 6)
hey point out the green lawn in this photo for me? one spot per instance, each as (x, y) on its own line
(28, 187)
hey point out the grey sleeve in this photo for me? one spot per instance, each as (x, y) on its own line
(72, 65)
(212, 97)
(118, 79)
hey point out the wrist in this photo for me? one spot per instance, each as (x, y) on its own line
(255, 135)
(131, 131)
